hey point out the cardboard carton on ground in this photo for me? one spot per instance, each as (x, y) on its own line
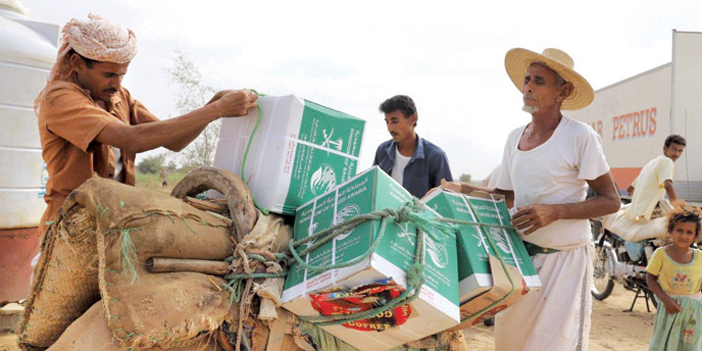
(436, 307)
(296, 151)
(485, 286)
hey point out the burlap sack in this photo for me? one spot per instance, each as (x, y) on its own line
(90, 332)
(65, 279)
(166, 309)
(128, 226)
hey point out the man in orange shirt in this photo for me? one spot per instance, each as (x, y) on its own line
(89, 124)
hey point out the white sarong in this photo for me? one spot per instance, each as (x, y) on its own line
(557, 317)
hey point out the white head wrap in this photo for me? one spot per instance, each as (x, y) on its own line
(97, 39)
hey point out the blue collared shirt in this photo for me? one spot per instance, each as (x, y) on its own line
(424, 170)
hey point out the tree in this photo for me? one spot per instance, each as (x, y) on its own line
(151, 164)
(192, 94)
(465, 178)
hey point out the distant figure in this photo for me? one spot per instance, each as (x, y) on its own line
(636, 221)
(655, 180)
(415, 163)
(164, 177)
(90, 124)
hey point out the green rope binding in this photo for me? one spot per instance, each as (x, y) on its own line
(464, 222)
(332, 232)
(248, 147)
(414, 281)
(414, 212)
(129, 254)
(498, 255)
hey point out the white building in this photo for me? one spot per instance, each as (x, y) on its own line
(634, 117)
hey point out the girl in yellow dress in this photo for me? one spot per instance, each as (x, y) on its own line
(675, 277)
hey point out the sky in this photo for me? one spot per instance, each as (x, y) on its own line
(351, 56)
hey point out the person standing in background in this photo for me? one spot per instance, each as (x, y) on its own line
(417, 164)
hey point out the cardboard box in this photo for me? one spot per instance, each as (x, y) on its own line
(299, 150)
(478, 261)
(436, 307)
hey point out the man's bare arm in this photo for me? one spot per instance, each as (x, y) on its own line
(670, 190)
(176, 133)
(605, 201)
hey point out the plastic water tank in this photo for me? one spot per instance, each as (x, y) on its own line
(27, 53)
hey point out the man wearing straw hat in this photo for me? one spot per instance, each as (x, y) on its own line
(546, 168)
(89, 124)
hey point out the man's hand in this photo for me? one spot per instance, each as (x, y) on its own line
(453, 186)
(671, 306)
(678, 203)
(529, 219)
(234, 103)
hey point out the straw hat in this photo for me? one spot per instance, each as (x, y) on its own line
(518, 60)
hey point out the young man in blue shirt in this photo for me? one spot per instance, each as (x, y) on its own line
(412, 161)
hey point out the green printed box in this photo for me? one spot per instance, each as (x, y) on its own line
(290, 152)
(474, 269)
(436, 307)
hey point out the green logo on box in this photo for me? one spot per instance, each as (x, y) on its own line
(323, 179)
(349, 211)
(336, 144)
(437, 253)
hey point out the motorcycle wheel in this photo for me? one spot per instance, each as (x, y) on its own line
(603, 283)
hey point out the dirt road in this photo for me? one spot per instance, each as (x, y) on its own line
(612, 329)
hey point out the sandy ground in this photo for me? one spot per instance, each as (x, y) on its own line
(8, 342)
(612, 328)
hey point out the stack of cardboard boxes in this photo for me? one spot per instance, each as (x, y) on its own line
(494, 268)
(436, 307)
(296, 165)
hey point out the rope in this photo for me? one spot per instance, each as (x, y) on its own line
(128, 252)
(498, 255)
(242, 173)
(414, 281)
(413, 211)
(481, 224)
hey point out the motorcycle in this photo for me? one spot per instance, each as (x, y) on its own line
(623, 262)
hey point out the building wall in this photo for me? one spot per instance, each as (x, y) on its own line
(633, 119)
(686, 118)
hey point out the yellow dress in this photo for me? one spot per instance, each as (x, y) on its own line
(680, 331)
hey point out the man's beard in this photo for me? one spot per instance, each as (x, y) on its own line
(530, 109)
